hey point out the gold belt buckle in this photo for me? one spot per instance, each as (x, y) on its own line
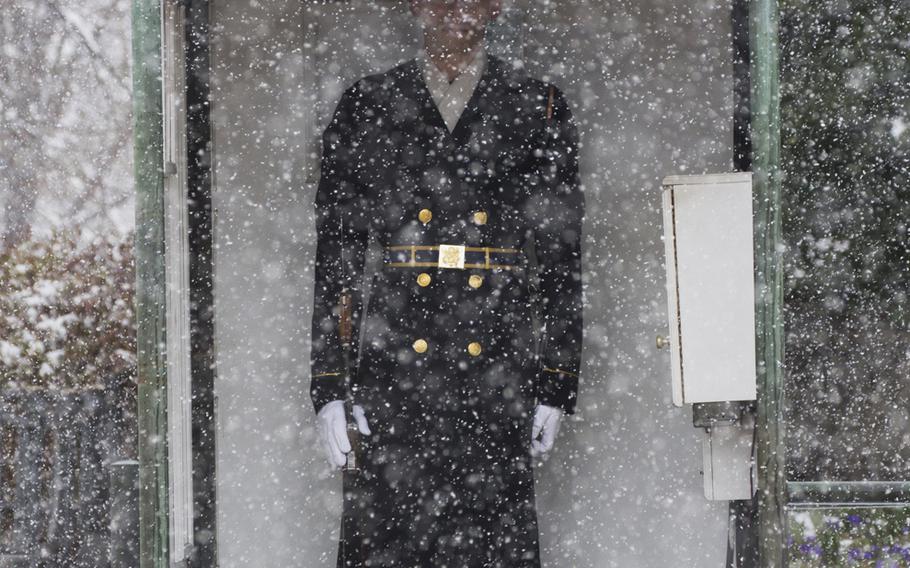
(451, 256)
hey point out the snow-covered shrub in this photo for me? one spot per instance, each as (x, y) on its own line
(66, 312)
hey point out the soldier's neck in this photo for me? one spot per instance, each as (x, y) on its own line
(451, 59)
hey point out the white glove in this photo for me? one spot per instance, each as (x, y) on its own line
(333, 430)
(546, 420)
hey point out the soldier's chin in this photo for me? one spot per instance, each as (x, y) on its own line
(459, 34)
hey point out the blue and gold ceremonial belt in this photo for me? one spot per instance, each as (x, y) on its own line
(452, 256)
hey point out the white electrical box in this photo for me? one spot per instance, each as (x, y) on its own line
(710, 286)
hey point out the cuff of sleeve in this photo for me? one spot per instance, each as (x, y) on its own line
(326, 387)
(557, 387)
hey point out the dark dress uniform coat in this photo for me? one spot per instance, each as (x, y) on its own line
(450, 369)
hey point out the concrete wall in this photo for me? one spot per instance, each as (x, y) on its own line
(650, 83)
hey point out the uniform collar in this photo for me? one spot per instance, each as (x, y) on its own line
(452, 98)
(470, 69)
(414, 86)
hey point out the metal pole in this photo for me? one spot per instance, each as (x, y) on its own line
(148, 157)
(765, 103)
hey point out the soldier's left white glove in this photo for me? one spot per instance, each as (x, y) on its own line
(333, 430)
(546, 425)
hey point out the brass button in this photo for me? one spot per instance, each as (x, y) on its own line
(474, 348)
(420, 345)
(480, 217)
(425, 215)
(475, 280)
(423, 279)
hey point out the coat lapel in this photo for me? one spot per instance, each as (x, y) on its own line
(472, 111)
(416, 87)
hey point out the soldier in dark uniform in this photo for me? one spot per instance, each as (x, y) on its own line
(451, 387)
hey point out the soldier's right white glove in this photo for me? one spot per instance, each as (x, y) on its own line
(333, 432)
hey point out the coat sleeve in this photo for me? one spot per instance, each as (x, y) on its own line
(342, 237)
(559, 211)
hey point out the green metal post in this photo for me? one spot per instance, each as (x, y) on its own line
(148, 156)
(765, 102)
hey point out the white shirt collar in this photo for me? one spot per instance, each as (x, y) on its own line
(452, 98)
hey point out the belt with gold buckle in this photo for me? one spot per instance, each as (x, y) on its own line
(452, 256)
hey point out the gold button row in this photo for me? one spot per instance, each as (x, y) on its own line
(474, 347)
(474, 281)
(480, 217)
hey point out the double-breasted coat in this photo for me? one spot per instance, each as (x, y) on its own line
(449, 369)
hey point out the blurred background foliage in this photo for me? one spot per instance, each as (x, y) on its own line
(845, 155)
(67, 310)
